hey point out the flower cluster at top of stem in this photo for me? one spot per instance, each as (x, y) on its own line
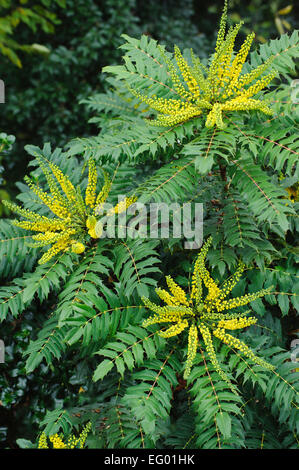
(215, 89)
(74, 217)
(57, 442)
(206, 315)
(293, 192)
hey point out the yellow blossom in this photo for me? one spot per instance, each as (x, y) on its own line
(177, 291)
(57, 440)
(192, 348)
(122, 206)
(72, 218)
(90, 194)
(42, 442)
(95, 228)
(78, 247)
(103, 194)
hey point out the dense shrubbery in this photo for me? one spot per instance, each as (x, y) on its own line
(81, 345)
(44, 98)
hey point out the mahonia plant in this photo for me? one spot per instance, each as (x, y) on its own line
(209, 316)
(215, 89)
(74, 216)
(59, 442)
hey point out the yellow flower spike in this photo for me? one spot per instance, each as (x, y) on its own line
(65, 183)
(91, 222)
(244, 104)
(220, 66)
(198, 71)
(174, 329)
(215, 117)
(32, 216)
(46, 238)
(90, 194)
(72, 220)
(224, 67)
(204, 274)
(221, 305)
(61, 245)
(213, 90)
(51, 181)
(258, 86)
(222, 26)
(205, 317)
(214, 292)
(95, 228)
(43, 225)
(207, 337)
(54, 205)
(238, 344)
(83, 435)
(71, 443)
(253, 75)
(196, 292)
(103, 194)
(237, 323)
(176, 80)
(230, 283)
(57, 442)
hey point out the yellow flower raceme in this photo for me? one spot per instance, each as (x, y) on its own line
(192, 348)
(78, 247)
(219, 88)
(73, 217)
(122, 206)
(103, 194)
(72, 442)
(205, 315)
(177, 291)
(57, 442)
(293, 192)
